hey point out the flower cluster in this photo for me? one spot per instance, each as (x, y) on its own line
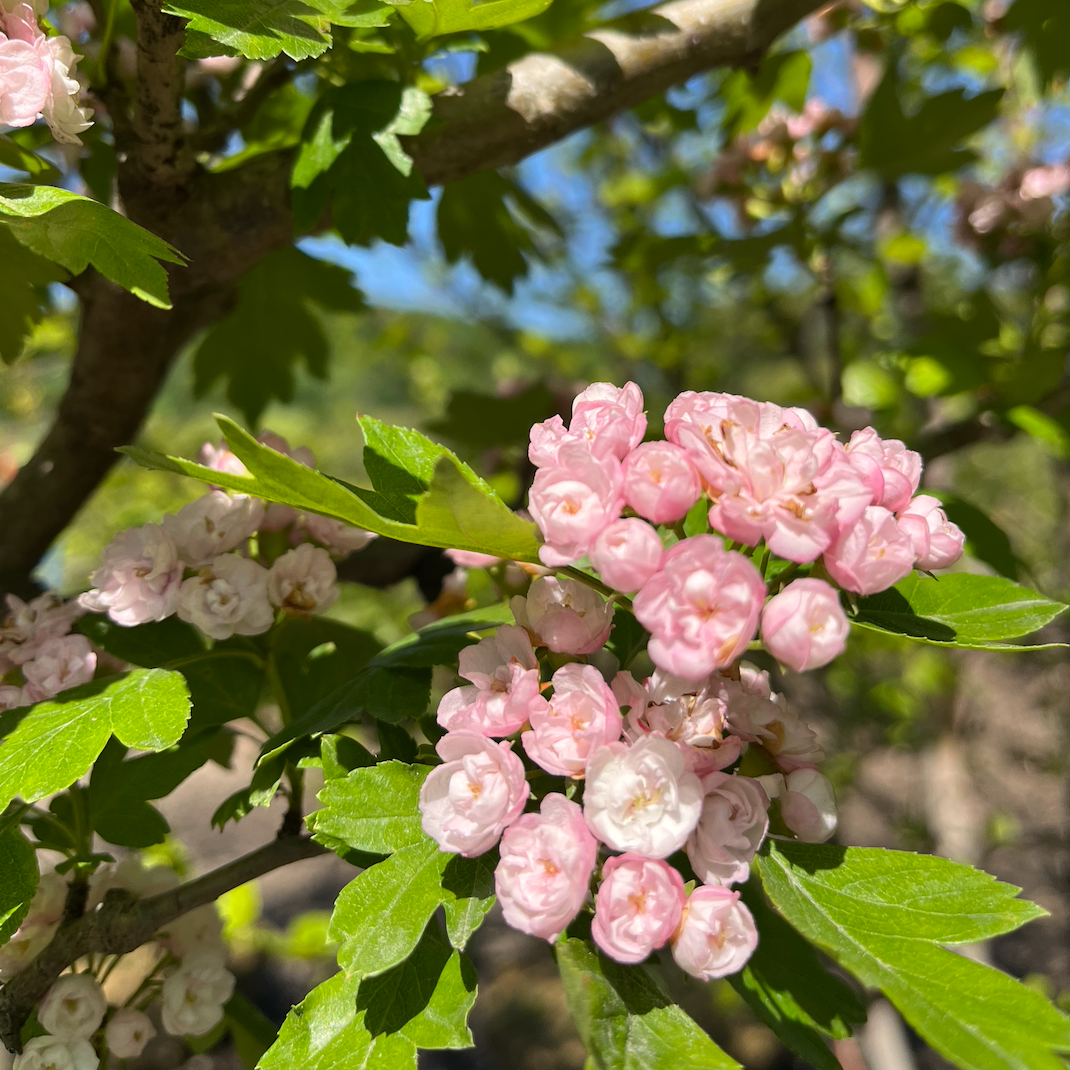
(188, 977)
(37, 74)
(701, 758)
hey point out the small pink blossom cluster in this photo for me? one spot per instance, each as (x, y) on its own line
(37, 74)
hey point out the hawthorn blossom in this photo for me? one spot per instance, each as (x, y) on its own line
(221, 459)
(466, 803)
(891, 471)
(339, 538)
(138, 579)
(807, 803)
(627, 554)
(504, 693)
(641, 798)
(303, 580)
(25, 67)
(701, 607)
(58, 665)
(660, 482)
(29, 625)
(804, 626)
(735, 819)
(606, 420)
(936, 542)
(127, 1033)
(227, 597)
(28, 942)
(50, 1053)
(546, 864)
(871, 555)
(568, 616)
(193, 996)
(73, 1007)
(581, 716)
(757, 715)
(64, 115)
(212, 525)
(638, 907)
(716, 936)
(470, 559)
(199, 930)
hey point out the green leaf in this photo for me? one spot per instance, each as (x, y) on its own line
(374, 809)
(24, 278)
(251, 1030)
(326, 1032)
(400, 893)
(13, 155)
(959, 610)
(789, 989)
(470, 883)
(50, 745)
(625, 1021)
(18, 863)
(1045, 29)
(782, 76)
(882, 914)
(149, 645)
(483, 421)
(76, 232)
(434, 18)
(272, 328)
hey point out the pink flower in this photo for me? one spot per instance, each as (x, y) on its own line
(573, 501)
(566, 615)
(340, 539)
(546, 864)
(212, 525)
(505, 686)
(936, 542)
(890, 470)
(638, 907)
(25, 69)
(65, 117)
(660, 482)
(581, 716)
(607, 421)
(30, 624)
(701, 608)
(545, 439)
(734, 822)
(805, 626)
(872, 554)
(468, 559)
(220, 459)
(757, 715)
(466, 803)
(627, 554)
(60, 664)
(1040, 182)
(303, 580)
(772, 473)
(807, 803)
(301, 454)
(717, 935)
(227, 597)
(641, 798)
(138, 579)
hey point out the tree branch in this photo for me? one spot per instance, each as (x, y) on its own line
(122, 923)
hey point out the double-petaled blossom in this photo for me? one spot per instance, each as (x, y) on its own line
(565, 615)
(212, 525)
(701, 607)
(735, 819)
(139, 577)
(606, 420)
(637, 908)
(871, 555)
(660, 482)
(573, 501)
(891, 471)
(466, 803)
(193, 996)
(757, 715)
(807, 802)
(227, 597)
(303, 580)
(127, 1033)
(804, 626)
(59, 664)
(504, 691)
(338, 538)
(627, 554)
(581, 716)
(936, 542)
(716, 936)
(642, 798)
(50, 1053)
(546, 864)
(29, 625)
(771, 472)
(73, 1007)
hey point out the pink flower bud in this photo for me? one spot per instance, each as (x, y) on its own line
(805, 626)
(573, 501)
(734, 822)
(581, 716)
(889, 468)
(468, 559)
(660, 482)
(627, 554)
(505, 686)
(701, 608)
(338, 538)
(717, 935)
(220, 459)
(638, 907)
(466, 803)
(566, 615)
(608, 419)
(872, 554)
(546, 864)
(545, 439)
(936, 542)
(808, 805)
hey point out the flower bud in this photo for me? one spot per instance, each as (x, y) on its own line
(637, 908)
(128, 1032)
(566, 615)
(660, 482)
(804, 626)
(808, 805)
(73, 1008)
(937, 543)
(717, 935)
(627, 554)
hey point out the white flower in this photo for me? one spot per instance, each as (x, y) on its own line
(808, 805)
(139, 577)
(212, 525)
(65, 118)
(73, 1008)
(58, 665)
(733, 824)
(200, 930)
(303, 580)
(128, 1032)
(29, 624)
(755, 714)
(50, 1053)
(642, 798)
(30, 940)
(227, 597)
(48, 901)
(193, 996)
(132, 875)
(340, 539)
